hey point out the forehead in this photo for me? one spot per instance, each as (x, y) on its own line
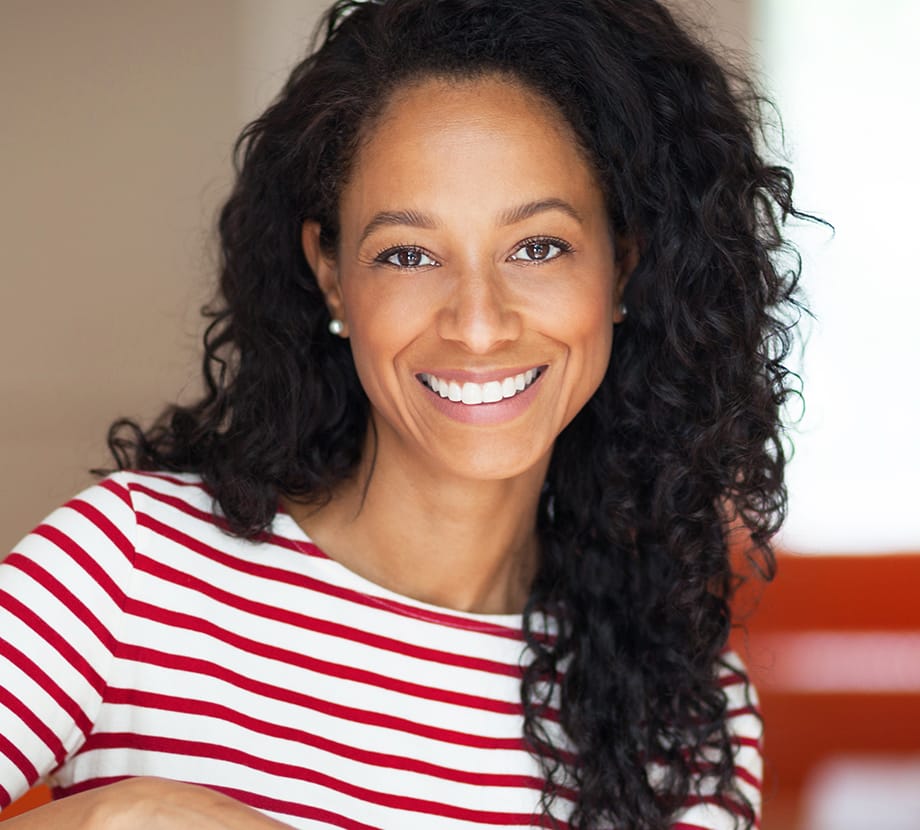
(471, 138)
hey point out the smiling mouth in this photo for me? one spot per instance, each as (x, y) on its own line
(473, 394)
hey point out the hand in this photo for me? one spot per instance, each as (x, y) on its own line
(146, 804)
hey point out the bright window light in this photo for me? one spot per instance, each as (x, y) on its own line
(845, 75)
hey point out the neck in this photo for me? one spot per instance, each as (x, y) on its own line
(469, 545)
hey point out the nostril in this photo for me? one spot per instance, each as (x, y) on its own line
(480, 323)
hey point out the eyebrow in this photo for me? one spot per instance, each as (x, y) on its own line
(525, 211)
(415, 219)
(410, 218)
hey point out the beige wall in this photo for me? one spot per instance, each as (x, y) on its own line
(116, 125)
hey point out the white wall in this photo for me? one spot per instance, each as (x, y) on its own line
(845, 77)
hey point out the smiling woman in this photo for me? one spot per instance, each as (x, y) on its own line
(475, 247)
(494, 370)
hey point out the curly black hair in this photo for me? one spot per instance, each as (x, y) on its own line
(680, 447)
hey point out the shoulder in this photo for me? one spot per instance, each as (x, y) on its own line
(143, 484)
(151, 497)
(103, 521)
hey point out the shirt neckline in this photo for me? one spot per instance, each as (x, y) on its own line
(293, 531)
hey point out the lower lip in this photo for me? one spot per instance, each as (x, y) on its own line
(499, 412)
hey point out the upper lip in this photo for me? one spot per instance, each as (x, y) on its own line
(480, 376)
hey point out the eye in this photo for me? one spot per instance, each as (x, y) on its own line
(540, 250)
(405, 256)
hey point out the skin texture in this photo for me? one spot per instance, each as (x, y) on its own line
(452, 284)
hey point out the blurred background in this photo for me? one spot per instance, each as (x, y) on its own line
(116, 133)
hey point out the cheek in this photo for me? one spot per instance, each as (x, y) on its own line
(380, 328)
(597, 340)
(588, 332)
(585, 318)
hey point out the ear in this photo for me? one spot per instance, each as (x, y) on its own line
(627, 253)
(325, 267)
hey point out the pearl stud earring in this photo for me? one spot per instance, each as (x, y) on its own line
(336, 327)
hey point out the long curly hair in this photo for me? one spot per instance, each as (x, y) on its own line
(679, 448)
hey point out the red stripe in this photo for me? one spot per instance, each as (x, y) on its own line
(746, 741)
(5, 798)
(209, 517)
(92, 568)
(308, 548)
(30, 668)
(292, 808)
(187, 706)
(704, 768)
(741, 710)
(189, 622)
(319, 625)
(350, 713)
(49, 634)
(19, 760)
(739, 772)
(38, 727)
(202, 749)
(194, 482)
(746, 775)
(263, 802)
(104, 524)
(118, 490)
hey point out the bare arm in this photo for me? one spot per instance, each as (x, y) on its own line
(146, 804)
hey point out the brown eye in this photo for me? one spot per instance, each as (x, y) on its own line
(405, 257)
(408, 258)
(540, 250)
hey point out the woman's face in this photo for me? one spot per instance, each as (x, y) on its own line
(475, 274)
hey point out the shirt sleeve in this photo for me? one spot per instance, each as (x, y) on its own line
(709, 812)
(62, 593)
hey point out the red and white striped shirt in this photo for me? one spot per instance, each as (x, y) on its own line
(139, 638)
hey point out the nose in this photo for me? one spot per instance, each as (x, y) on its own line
(478, 313)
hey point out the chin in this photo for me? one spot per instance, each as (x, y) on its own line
(491, 464)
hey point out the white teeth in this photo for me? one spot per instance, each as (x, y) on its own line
(492, 392)
(472, 394)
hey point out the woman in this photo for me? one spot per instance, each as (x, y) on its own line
(495, 371)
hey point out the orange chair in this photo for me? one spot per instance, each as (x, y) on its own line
(834, 649)
(35, 797)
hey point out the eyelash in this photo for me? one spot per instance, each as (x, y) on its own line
(383, 256)
(386, 253)
(554, 241)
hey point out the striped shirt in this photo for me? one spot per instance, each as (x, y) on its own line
(137, 637)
